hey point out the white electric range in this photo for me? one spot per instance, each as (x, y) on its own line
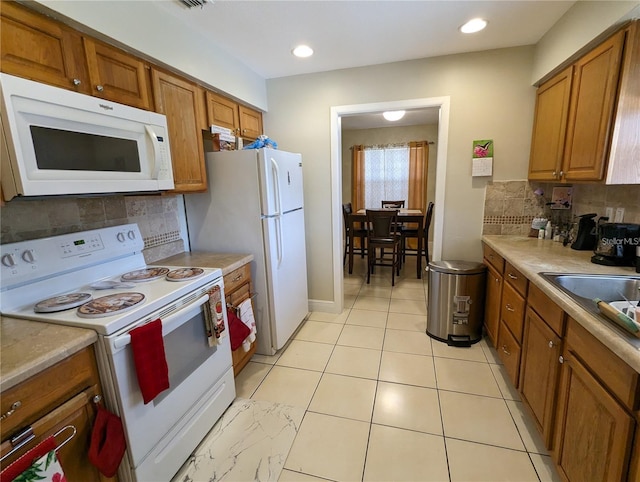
(98, 280)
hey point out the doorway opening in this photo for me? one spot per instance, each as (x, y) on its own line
(337, 112)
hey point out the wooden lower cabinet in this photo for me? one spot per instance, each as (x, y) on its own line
(492, 303)
(539, 371)
(60, 396)
(237, 288)
(593, 430)
(509, 352)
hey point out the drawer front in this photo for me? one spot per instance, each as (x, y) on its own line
(237, 278)
(493, 258)
(47, 390)
(509, 352)
(516, 279)
(512, 311)
(617, 377)
(551, 313)
(239, 295)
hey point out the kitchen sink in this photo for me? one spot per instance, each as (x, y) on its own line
(583, 288)
(613, 289)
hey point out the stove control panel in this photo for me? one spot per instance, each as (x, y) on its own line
(27, 261)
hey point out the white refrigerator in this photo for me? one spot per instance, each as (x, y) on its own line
(254, 205)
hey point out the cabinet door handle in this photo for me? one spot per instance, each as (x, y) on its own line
(504, 349)
(509, 307)
(77, 82)
(561, 174)
(512, 276)
(555, 174)
(99, 88)
(551, 343)
(561, 359)
(14, 406)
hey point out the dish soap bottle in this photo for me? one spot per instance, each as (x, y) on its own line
(548, 231)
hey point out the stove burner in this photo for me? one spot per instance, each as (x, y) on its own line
(185, 274)
(146, 274)
(110, 305)
(61, 303)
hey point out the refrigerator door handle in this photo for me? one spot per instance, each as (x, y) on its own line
(278, 220)
(276, 186)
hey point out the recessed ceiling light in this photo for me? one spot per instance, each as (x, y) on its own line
(302, 51)
(473, 25)
(393, 115)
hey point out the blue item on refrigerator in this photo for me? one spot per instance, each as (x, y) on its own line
(260, 142)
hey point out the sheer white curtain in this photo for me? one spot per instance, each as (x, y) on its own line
(386, 174)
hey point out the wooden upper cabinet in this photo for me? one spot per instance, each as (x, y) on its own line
(586, 126)
(116, 75)
(183, 104)
(250, 122)
(593, 101)
(222, 112)
(38, 48)
(243, 121)
(550, 126)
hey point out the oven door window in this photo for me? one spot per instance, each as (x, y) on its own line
(186, 348)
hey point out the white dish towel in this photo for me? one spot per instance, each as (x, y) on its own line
(246, 315)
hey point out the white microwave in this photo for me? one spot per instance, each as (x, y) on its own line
(59, 142)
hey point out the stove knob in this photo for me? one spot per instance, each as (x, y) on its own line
(8, 260)
(131, 234)
(29, 256)
(120, 237)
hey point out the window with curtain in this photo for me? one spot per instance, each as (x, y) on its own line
(386, 174)
(391, 172)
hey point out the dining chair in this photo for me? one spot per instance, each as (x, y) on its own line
(359, 233)
(413, 233)
(383, 234)
(392, 204)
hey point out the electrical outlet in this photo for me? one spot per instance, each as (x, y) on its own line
(619, 215)
(609, 213)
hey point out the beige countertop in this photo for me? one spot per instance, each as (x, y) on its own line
(28, 347)
(532, 256)
(227, 262)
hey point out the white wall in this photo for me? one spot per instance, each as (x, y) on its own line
(151, 31)
(491, 98)
(582, 23)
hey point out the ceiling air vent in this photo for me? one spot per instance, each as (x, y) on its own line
(194, 3)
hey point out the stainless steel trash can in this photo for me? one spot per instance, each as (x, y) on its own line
(456, 301)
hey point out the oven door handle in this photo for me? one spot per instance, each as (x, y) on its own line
(169, 323)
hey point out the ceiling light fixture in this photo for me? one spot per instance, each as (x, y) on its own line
(393, 115)
(302, 51)
(473, 25)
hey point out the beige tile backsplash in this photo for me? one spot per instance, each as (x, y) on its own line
(510, 206)
(157, 216)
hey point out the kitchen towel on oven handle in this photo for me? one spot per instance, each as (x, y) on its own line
(149, 359)
(214, 317)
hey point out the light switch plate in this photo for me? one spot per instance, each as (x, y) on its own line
(619, 215)
(609, 213)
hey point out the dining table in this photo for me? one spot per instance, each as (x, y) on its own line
(404, 216)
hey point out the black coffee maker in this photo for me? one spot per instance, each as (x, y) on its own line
(586, 237)
(616, 244)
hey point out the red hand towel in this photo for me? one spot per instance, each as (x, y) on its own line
(108, 444)
(149, 358)
(24, 462)
(238, 331)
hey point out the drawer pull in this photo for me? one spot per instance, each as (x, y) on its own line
(504, 349)
(237, 278)
(509, 307)
(551, 343)
(14, 406)
(512, 276)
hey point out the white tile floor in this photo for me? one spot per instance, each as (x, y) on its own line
(383, 401)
